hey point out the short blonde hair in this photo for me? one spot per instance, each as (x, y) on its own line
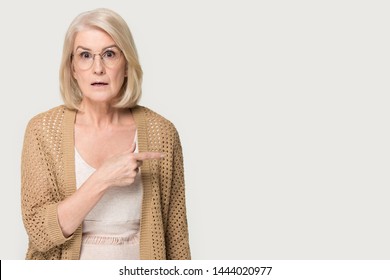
(114, 25)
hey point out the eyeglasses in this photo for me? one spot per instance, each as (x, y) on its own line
(84, 59)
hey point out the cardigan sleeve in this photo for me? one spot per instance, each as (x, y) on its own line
(39, 192)
(177, 241)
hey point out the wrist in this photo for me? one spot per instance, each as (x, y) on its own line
(97, 183)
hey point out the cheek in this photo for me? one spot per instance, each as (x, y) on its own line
(75, 74)
(120, 76)
(122, 72)
(80, 77)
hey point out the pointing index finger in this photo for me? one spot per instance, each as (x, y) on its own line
(148, 155)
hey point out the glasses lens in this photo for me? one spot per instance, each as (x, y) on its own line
(110, 57)
(83, 59)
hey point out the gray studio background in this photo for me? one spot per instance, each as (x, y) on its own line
(282, 108)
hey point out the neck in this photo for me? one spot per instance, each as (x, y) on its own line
(101, 115)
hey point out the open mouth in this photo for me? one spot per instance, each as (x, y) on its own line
(99, 84)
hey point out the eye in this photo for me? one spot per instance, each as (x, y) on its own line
(109, 54)
(85, 55)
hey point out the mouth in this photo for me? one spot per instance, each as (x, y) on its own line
(99, 84)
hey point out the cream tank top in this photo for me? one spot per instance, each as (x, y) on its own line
(111, 230)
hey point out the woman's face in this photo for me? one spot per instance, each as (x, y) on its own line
(100, 77)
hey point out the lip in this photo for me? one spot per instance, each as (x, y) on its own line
(99, 84)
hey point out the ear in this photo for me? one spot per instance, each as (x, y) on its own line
(126, 69)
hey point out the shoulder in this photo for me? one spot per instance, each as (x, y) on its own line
(53, 113)
(154, 120)
(48, 120)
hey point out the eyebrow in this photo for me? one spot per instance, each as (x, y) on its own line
(88, 49)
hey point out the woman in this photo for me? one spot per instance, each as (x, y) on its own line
(102, 177)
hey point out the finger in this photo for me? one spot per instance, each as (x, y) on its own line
(148, 155)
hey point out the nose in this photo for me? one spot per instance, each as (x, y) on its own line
(98, 67)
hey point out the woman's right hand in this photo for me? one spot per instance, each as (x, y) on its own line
(121, 169)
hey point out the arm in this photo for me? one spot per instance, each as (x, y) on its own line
(73, 209)
(177, 229)
(119, 170)
(48, 220)
(39, 193)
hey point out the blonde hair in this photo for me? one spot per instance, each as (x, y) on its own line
(114, 25)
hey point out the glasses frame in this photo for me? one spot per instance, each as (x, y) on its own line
(73, 59)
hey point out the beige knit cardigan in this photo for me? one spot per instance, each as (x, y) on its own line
(48, 177)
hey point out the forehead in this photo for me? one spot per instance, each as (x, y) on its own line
(94, 39)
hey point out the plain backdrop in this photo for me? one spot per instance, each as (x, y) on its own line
(282, 108)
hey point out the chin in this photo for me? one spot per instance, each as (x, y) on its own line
(99, 98)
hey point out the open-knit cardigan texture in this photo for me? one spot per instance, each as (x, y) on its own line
(48, 177)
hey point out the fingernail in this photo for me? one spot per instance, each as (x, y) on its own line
(162, 155)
